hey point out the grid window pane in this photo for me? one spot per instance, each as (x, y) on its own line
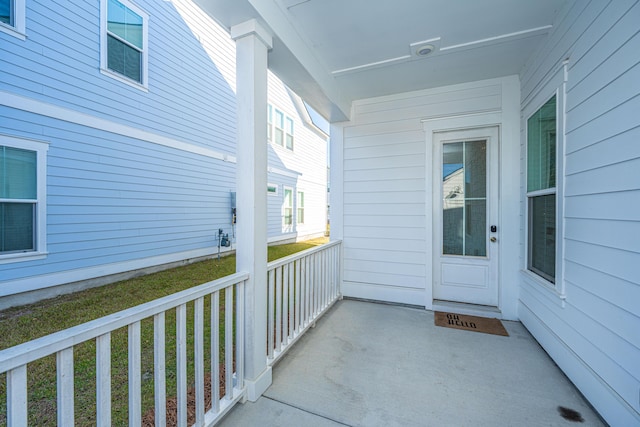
(124, 59)
(464, 204)
(17, 222)
(124, 23)
(542, 236)
(6, 12)
(288, 207)
(300, 207)
(18, 173)
(289, 129)
(541, 148)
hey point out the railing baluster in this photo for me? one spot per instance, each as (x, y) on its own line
(198, 332)
(103, 380)
(17, 396)
(135, 408)
(307, 286)
(215, 351)
(291, 300)
(285, 304)
(181, 368)
(240, 334)
(64, 374)
(159, 371)
(278, 309)
(271, 314)
(228, 342)
(298, 290)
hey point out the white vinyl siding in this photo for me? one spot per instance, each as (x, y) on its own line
(591, 329)
(386, 222)
(124, 51)
(12, 17)
(22, 199)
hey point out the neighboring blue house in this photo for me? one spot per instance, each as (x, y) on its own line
(118, 139)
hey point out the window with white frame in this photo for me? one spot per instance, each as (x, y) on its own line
(124, 49)
(22, 197)
(12, 17)
(279, 127)
(541, 191)
(287, 207)
(272, 189)
(300, 202)
(289, 134)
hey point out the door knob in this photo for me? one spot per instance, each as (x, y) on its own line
(493, 239)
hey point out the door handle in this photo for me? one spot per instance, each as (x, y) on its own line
(493, 239)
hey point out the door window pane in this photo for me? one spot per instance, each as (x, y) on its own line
(464, 186)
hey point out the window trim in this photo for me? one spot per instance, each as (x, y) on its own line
(275, 187)
(557, 286)
(19, 27)
(41, 148)
(104, 51)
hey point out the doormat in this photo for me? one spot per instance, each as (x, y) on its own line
(470, 323)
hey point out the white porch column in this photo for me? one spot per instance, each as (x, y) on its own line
(252, 44)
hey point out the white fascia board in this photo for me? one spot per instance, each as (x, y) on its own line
(299, 51)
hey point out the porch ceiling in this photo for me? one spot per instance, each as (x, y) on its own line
(332, 52)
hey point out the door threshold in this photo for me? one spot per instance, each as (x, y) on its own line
(466, 308)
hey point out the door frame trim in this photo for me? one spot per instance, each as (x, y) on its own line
(447, 124)
(492, 136)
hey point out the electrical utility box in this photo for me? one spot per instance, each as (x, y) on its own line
(233, 207)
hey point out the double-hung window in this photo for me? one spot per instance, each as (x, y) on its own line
(287, 206)
(124, 41)
(22, 198)
(279, 127)
(12, 17)
(541, 191)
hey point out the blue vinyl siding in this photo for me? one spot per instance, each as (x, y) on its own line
(112, 198)
(59, 63)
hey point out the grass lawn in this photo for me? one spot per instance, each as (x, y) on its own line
(21, 324)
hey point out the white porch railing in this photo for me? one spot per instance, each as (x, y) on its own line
(14, 360)
(302, 287)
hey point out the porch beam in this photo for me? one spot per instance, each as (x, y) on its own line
(252, 43)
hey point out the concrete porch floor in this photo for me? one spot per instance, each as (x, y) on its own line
(368, 364)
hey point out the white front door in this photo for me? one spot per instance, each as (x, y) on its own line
(465, 216)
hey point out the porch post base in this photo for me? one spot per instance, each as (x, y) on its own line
(257, 387)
